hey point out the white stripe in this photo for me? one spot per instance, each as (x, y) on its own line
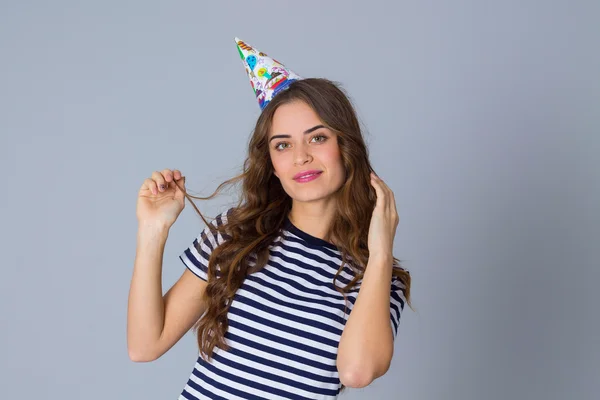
(310, 249)
(394, 330)
(232, 384)
(209, 387)
(304, 303)
(193, 392)
(292, 289)
(305, 284)
(325, 257)
(276, 358)
(302, 260)
(279, 372)
(274, 345)
(294, 311)
(288, 322)
(193, 267)
(255, 378)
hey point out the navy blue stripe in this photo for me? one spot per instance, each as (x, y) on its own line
(226, 388)
(307, 238)
(329, 368)
(304, 243)
(295, 306)
(190, 396)
(394, 322)
(298, 270)
(320, 270)
(284, 367)
(317, 260)
(287, 342)
(288, 316)
(202, 389)
(297, 285)
(396, 296)
(277, 288)
(250, 383)
(394, 313)
(188, 267)
(267, 375)
(194, 260)
(314, 254)
(285, 328)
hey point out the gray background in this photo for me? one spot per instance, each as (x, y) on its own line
(483, 117)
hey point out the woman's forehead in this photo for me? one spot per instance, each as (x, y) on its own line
(294, 119)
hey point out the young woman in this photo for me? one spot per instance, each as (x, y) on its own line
(294, 293)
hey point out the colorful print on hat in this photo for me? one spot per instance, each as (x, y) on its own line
(267, 75)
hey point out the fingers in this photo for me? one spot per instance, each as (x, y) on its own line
(159, 180)
(378, 189)
(179, 179)
(171, 175)
(180, 188)
(181, 183)
(387, 195)
(150, 185)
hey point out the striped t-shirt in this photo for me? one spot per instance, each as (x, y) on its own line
(285, 322)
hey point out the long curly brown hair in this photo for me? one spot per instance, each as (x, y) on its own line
(263, 205)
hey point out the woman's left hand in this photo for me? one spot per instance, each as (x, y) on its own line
(383, 222)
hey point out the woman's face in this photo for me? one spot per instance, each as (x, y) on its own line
(305, 145)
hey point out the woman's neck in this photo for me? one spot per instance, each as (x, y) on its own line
(312, 220)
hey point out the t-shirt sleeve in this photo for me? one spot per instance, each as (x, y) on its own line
(397, 300)
(196, 256)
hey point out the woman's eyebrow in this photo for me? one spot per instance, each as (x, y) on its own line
(305, 132)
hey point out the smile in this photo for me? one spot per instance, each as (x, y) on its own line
(308, 178)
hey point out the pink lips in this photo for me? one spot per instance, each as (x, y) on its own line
(307, 172)
(308, 178)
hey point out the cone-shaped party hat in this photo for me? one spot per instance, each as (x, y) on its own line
(267, 75)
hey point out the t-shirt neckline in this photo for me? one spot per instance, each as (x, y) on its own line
(308, 237)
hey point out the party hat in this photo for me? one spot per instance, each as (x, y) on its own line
(267, 75)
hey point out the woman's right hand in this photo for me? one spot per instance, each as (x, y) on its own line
(161, 198)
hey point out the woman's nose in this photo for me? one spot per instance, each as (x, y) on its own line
(301, 156)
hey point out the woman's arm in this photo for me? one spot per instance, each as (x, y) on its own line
(155, 323)
(367, 345)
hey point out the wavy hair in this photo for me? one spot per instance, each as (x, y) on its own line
(263, 205)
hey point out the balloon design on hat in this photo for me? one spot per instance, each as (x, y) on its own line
(267, 75)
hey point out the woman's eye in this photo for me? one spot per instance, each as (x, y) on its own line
(323, 137)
